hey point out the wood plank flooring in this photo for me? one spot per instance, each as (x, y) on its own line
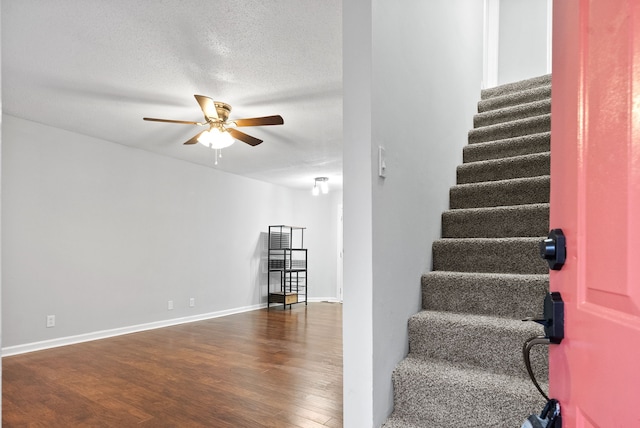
(255, 369)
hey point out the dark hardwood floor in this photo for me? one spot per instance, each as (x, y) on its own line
(255, 369)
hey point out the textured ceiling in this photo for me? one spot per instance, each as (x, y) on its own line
(98, 67)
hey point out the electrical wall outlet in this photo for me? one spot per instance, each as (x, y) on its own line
(192, 302)
(51, 321)
(170, 305)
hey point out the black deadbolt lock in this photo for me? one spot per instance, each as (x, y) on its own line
(554, 249)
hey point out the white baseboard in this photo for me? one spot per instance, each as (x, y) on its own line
(103, 334)
(323, 299)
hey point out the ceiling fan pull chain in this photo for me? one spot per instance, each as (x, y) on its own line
(215, 156)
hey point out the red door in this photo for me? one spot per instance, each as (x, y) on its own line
(595, 199)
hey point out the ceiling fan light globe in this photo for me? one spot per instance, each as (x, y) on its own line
(315, 191)
(216, 139)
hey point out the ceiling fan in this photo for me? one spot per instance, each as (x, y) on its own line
(221, 132)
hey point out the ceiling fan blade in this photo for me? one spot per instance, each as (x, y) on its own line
(260, 121)
(208, 107)
(252, 141)
(194, 139)
(186, 122)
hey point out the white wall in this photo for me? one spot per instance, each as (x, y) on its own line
(102, 236)
(318, 215)
(0, 228)
(357, 310)
(523, 43)
(412, 75)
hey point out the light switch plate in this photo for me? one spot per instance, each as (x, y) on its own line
(382, 162)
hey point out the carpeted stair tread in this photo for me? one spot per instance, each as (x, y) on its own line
(401, 423)
(515, 98)
(433, 393)
(496, 222)
(498, 255)
(503, 169)
(516, 146)
(510, 113)
(500, 294)
(519, 191)
(514, 128)
(439, 335)
(509, 88)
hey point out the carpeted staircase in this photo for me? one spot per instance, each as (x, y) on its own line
(465, 367)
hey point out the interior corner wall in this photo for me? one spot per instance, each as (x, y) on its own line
(102, 235)
(423, 71)
(523, 40)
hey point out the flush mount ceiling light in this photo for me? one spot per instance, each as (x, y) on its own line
(320, 185)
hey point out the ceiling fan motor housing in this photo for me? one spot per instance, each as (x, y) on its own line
(223, 110)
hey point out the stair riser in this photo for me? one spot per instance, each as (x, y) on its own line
(509, 147)
(493, 194)
(519, 256)
(522, 97)
(508, 114)
(495, 346)
(516, 128)
(508, 296)
(525, 220)
(504, 169)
